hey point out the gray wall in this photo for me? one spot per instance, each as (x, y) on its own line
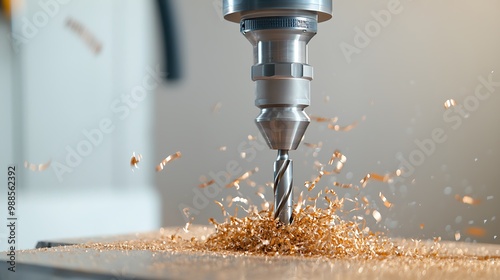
(429, 52)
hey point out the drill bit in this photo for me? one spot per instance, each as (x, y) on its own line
(283, 189)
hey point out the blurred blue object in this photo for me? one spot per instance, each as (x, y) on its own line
(170, 41)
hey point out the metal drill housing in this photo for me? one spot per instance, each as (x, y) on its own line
(279, 31)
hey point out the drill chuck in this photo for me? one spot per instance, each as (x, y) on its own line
(282, 76)
(279, 31)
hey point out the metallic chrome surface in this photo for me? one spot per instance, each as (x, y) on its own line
(279, 31)
(282, 127)
(283, 70)
(234, 10)
(283, 188)
(279, 22)
(280, 45)
(282, 78)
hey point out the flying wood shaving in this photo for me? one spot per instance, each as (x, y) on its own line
(240, 199)
(318, 165)
(206, 184)
(337, 127)
(300, 202)
(37, 167)
(134, 160)
(476, 231)
(344, 186)
(313, 145)
(398, 173)
(188, 224)
(230, 199)
(310, 185)
(467, 200)
(349, 199)
(365, 200)
(270, 184)
(314, 198)
(224, 213)
(330, 191)
(377, 216)
(168, 159)
(450, 103)
(364, 181)
(377, 177)
(89, 38)
(316, 147)
(339, 159)
(222, 148)
(212, 221)
(261, 195)
(322, 119)
(265, 204)
(384, 199)
(332, 123)
(245, 176)
(366, 230)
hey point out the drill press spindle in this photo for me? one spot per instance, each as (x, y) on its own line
(279, 31)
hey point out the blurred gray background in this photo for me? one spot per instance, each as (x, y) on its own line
(393, 83)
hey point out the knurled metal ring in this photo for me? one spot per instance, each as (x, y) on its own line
(263, 23)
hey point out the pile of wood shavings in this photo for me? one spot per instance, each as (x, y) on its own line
(315, 232)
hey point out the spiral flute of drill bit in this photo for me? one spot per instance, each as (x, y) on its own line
(283, 188)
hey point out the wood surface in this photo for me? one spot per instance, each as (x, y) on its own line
(458, 261)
